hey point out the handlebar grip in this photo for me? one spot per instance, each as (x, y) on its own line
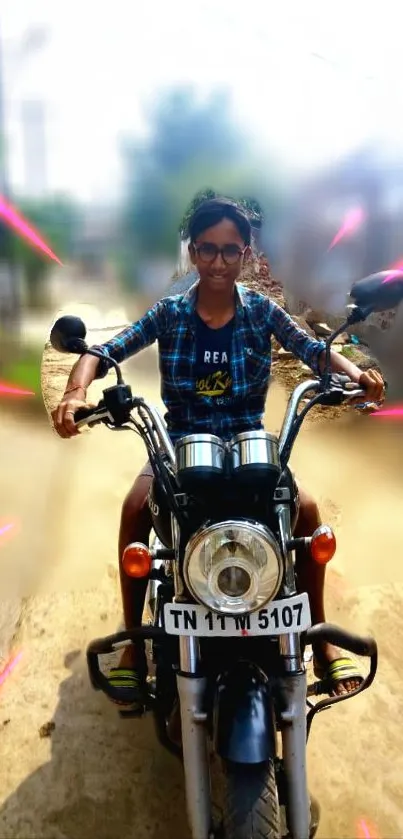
(83, 414)
(341, 638)
(341, 379)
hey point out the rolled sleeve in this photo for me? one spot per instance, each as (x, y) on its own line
(103, 364)
(294, 339)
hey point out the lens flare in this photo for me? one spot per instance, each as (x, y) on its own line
(397, 265)
(353, 220)
(393, 272)
(21, 226)
(10, 667)
(390, 413)
(366, 831)
(13, 390)
(8, 530)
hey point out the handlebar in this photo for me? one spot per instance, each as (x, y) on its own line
(91, 416)
(341, 389)
(106, 413)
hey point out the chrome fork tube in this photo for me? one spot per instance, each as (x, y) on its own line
(293, 733)
(191, 690)
(290, 647)
(293, 699)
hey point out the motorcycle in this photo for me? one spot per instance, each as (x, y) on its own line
(228, 628)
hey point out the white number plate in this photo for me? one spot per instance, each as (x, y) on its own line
(280, 617)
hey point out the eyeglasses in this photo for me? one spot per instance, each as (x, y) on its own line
(231, 254)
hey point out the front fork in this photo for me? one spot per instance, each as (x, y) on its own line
(292, 714)
(191, 690)
(292, 692)
(292, 717)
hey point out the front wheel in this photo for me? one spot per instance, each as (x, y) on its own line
(251, 807)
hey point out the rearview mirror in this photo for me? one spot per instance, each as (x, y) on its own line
(379, 292)
(68, 335)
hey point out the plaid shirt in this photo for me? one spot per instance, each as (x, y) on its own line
(172, 323)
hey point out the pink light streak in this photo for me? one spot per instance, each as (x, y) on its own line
(9, 668)
(364, 831)
(353, 219)
(391, 413)
(21, 226)
(397, 265)
(6, 528)
(12, 390)
(395, 272)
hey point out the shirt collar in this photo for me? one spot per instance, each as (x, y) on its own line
(188, 301)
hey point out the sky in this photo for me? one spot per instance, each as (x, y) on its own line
(99, 64)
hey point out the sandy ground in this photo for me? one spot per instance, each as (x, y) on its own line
(98, 776)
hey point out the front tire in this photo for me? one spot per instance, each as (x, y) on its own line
(251, 807)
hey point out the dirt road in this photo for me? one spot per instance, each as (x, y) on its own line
(96, 776)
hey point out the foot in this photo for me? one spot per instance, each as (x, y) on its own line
(323, 656)
(129, 677)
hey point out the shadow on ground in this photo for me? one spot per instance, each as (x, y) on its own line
(105, 776)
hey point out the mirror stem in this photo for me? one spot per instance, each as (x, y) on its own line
(327, 373)
(111, 361)
(356, 315)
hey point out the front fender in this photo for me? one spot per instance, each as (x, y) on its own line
(243, 716)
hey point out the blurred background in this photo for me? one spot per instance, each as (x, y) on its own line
(113, 120)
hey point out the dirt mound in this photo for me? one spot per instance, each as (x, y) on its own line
(256, 274)
(288, 370)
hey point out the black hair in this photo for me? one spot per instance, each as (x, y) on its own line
(211, 212)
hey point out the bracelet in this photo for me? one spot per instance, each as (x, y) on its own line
(72, 389)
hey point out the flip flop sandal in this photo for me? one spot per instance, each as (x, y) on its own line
(337, 671)
(131, 687)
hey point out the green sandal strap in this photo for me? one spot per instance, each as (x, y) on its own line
(123, 671)
(130, 684)
(124, 677)
(342, 669)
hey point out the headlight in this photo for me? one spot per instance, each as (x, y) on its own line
(233, 567)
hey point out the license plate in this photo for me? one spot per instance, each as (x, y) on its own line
(280, 617)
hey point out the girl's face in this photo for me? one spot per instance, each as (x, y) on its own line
(219, 254)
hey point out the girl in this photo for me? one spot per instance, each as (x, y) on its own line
(215, 356)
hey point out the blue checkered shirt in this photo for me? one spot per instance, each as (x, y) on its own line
(172, 323)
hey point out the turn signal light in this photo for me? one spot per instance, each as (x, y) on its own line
(136, 560)
(323, 544)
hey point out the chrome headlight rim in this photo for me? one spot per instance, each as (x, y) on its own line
(253, 528)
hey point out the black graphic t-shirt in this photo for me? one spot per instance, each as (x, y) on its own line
(213, 357)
